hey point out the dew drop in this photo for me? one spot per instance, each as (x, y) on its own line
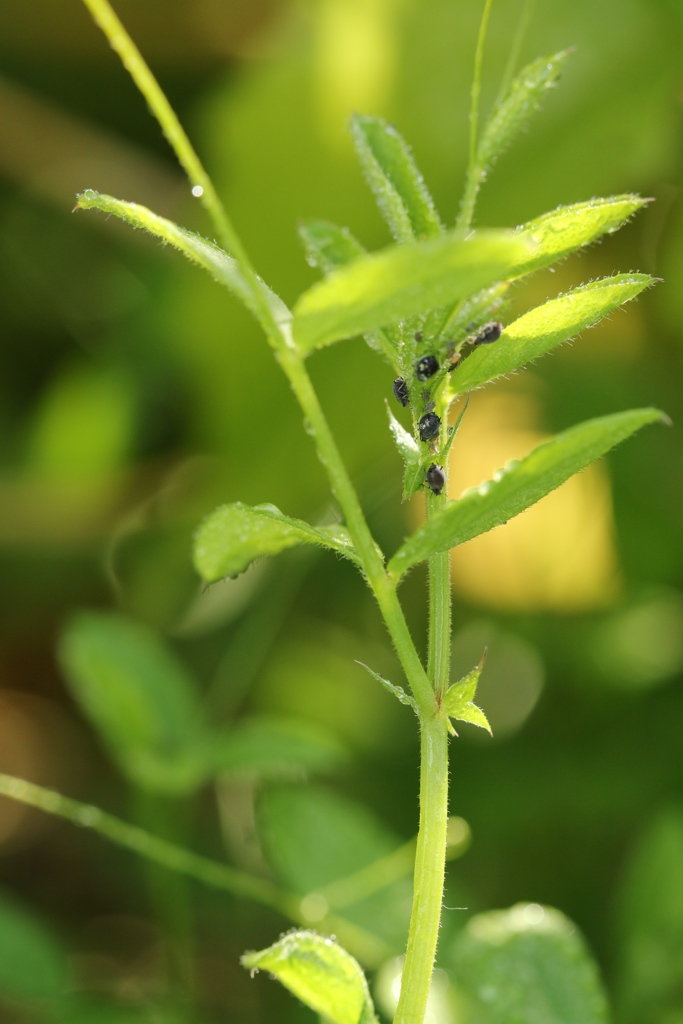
(197, 191)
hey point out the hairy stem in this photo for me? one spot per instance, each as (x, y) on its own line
(345, 493)
(120, 41)
(431, 843)
(430, 861)
(439, 649)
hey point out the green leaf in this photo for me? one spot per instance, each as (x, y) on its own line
(413, 477)
(567, 228)
(541, 329)
(523, 98)
(650, 932)
(397, 691)
(223, 268)
(138, 697)
(232, 536)
(519, 485)
(472, 313)
(272, 747)
(327, 246)
(320, 973)
(398, 186)
(458, 700)
(313, 837)
(32, 964)
(330, 247)
(402, 281)
(526, 965)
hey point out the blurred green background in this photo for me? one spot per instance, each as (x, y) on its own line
(135, 395)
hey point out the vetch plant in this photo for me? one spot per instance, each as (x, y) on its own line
(432, 305)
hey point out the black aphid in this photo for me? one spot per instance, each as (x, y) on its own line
(488, 333)
(400, 389)
(418, 335)
(426, 367)
(430, 426)
(436, 478)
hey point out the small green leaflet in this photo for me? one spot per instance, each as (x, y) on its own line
(397, 691)
(413, 477)
(320, 973)
(472, 311)
(139, 697)
(537, 964)
(328, 246)
(402, 281)
(522, 100)
(232, 536)
(567, 228)
(519, 485)
(541, 329)
(223, 268)
(398, 186)
(459, 698)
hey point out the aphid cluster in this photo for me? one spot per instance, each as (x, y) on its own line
(429, 426)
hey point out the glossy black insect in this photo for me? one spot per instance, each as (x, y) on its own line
(430, 426)
(488, 333)
(400, 389)
(436, 478)
(426, 367)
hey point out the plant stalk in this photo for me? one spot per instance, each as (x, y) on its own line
(474, 171)
(175, 858)
(430, 863)
(439, 649)
(431, 842)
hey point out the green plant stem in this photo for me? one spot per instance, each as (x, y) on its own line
(345, 493)
(175, 858)
(515, 49)
(439, 645)
(134, 63)
(473, 170)
(430, 861)
(431, 842)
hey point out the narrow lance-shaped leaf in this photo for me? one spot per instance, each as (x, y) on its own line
(397, 691)
(223, 268)
(567, 228)
(393, 176)
(541, 329)
(320, 973)
(232, 536)
(459, 700)
(330, 247)
(402, 281)
(518, 486)
(411, 454)
(523, 98)
(468, 315)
